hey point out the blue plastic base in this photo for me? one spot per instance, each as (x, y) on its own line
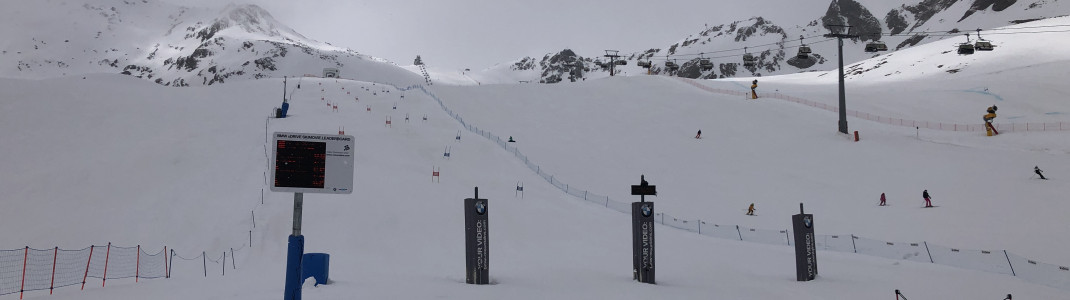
(316, 265)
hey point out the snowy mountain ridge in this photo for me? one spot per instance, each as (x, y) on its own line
(774, 37)
(171, 45)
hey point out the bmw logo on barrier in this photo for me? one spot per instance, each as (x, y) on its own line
(646, 210)
(481, 207)
(808, 222)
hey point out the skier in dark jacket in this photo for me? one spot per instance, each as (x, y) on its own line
(1037, 170)
(699, 135)
(882, 200)
(925, 194)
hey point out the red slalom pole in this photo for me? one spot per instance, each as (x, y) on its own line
(137, 268)
(25, 255)
(107, 255)
(55, 254)
(87, 266)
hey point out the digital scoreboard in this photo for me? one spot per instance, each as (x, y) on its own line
(312, 163)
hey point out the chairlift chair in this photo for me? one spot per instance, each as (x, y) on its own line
(622, 62)
(705, 64)
(749, 60)
(983, 46)
(804, 50)
(966, 48)
(671, 65)
(644, 64)
(876, 46)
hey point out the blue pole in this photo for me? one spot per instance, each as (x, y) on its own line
(294, 253)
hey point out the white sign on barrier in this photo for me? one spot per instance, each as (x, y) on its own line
(312, 163)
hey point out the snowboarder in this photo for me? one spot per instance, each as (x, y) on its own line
(882, 200)
(750, 210)
(699, 135)
(1037, 170)
(925, 194)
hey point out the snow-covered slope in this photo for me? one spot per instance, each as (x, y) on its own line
(150, 166)
(168, 44)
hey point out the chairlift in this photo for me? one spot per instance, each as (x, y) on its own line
(982, 44)
(671, 65)
(748, 59)
(804, 50)
(643, 64)
(966, 48)
(876, 46)
(622, 62)
(705, 64)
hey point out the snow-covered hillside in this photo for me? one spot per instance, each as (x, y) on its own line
(151, 167)
(169, 45)
(774, 37)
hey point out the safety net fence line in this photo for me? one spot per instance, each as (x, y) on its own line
(1001, 262)
(30, 269)
(979, 127)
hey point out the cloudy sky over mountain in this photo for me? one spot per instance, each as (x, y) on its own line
(479, 33)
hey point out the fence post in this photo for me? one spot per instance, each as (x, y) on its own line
(250, 238)
(1009, 263)
(232, 265)
(107, 255)
(87, 266)
(52, 285)
(927, 252)
(224, 263)
(25, 256)
(137, 267)
(739, 233)
(166, 268)
(253, 212)
(204, 261)
(853, 246)
(787, 237)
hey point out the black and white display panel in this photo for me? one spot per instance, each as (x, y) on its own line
(312, 163)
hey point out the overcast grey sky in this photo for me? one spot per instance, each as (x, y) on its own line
(477, 34)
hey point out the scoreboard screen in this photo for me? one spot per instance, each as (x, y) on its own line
(312, 163)
(300, 164)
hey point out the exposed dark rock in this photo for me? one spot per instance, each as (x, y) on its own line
(910, 42)
(979, 5)
(851, 13)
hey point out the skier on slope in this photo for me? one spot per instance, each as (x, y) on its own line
(1036, 169)
(699, 135)
(925, 194)
(750, 210)
(882, 200)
